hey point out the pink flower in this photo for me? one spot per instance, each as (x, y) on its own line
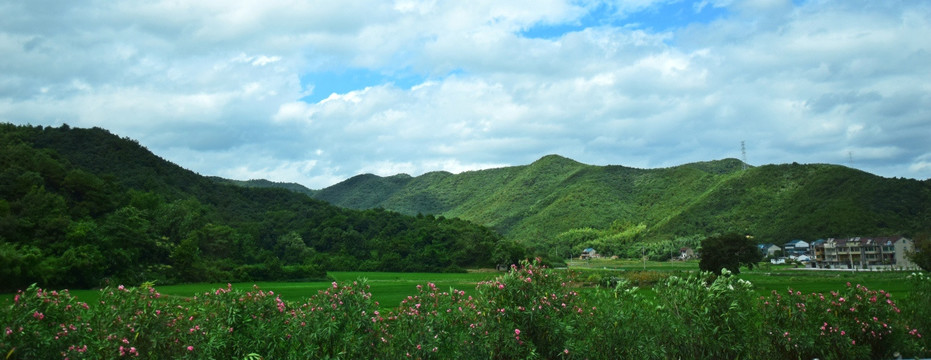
(565, 351)
(190, 348)
(516, 331)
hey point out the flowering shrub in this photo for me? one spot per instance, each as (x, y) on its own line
(705, 316)
(44, 324)
(529, 312)
(434, 324)
(917, 310)
(854, 323)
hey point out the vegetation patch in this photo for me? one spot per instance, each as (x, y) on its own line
(529, 312)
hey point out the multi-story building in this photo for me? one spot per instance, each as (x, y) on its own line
(864, 252)
(795, 248)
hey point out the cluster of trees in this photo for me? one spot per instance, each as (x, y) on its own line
(621, 239)
(81, 206)
(921, 256)
(728, 251)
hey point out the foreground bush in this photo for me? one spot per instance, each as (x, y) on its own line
(531, 312)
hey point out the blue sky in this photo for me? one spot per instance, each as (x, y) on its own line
(315, 92)
(664, 16)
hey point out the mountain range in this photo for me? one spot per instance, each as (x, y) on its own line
(554, 195)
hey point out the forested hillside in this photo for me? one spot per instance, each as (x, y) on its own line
(559, 206)
(80, 206)
(262, 183)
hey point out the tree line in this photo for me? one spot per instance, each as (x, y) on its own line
(80, 207)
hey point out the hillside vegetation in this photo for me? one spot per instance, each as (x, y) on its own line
(81, 206)
(558, 202)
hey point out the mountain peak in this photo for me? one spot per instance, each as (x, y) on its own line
(722, 166)
(554, 159)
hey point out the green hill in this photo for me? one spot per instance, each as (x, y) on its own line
(556, 197)
(82, 206)
(262, 183)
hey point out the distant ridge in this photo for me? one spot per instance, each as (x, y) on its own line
(262, 183)
(556, 194)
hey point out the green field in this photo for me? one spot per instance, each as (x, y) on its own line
(766, 278)
(389, 288)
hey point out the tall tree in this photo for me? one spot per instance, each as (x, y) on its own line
(922, 254)
(729, 251)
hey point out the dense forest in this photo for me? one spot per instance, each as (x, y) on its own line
(558, 206)
(79, 207)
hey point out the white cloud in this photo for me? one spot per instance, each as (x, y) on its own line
(217, 86)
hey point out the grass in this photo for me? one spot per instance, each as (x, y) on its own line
(808, 281)
(389, 288)
(767, 277)
(632, 265)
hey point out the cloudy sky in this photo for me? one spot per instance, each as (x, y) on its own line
(315, 92)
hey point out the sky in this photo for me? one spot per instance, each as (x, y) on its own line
(315, 92)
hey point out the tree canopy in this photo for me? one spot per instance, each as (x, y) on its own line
(80, 206)
(729, 251)
(921, 256)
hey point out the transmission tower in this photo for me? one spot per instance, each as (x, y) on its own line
(743, 154)
(850, 158)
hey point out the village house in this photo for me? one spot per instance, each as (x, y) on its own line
(864, 253)
(769, 249)
(589, 253)
(817, 250)
(686, 253)
(795, 248)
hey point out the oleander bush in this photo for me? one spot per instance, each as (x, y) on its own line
(531, 312)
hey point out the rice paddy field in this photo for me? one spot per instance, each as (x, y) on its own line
(389, 288)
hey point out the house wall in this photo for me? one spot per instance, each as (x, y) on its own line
(902, 248)
(860, 254)
(772, 250)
